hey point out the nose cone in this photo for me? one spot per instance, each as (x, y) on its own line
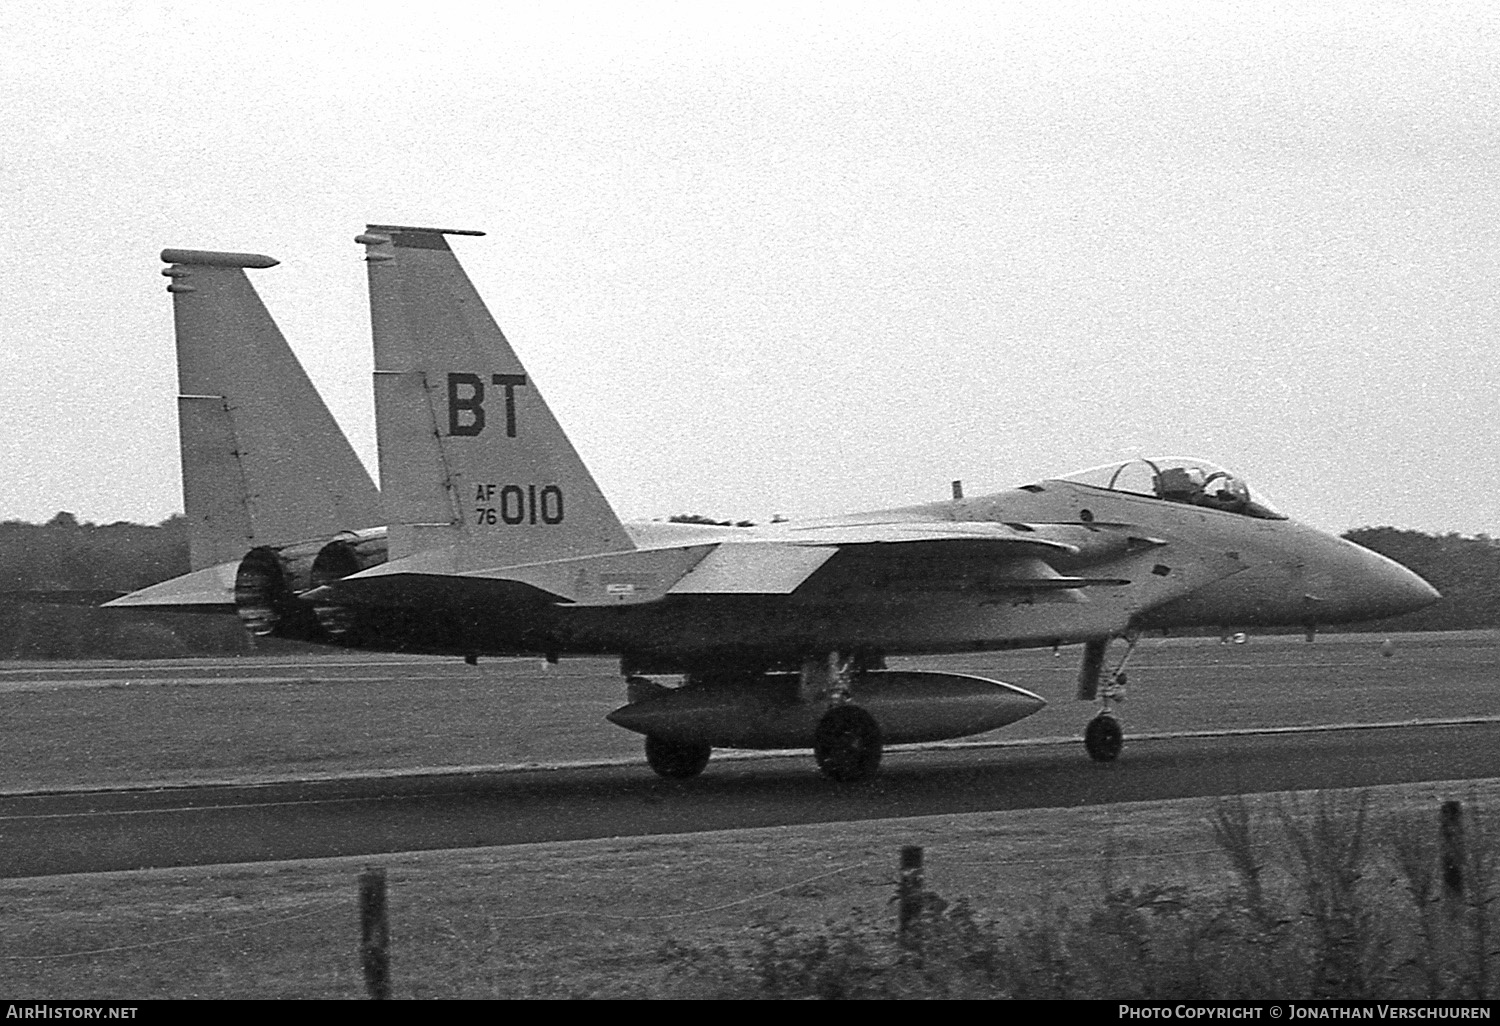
(1403, 591)
(1368, 586)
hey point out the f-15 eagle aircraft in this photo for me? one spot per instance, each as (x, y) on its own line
(500, 543)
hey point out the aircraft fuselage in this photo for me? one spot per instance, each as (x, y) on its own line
(1150, 564)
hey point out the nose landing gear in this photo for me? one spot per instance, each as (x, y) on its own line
(1104, 738)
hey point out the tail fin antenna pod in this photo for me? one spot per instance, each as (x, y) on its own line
(470, 454)
(263, 461)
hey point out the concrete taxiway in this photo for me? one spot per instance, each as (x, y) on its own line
(91, 831)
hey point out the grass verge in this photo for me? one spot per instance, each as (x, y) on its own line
(1271, 896)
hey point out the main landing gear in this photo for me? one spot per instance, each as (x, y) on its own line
(751, 709)
(675, 760)
(1103, 738)
(847, 744)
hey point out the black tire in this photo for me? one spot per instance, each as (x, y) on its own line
(675, 761)
(847, 744)
(1103, 738)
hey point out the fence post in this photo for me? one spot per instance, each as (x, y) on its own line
(909, 894)
(374, 933)
(1451, 846)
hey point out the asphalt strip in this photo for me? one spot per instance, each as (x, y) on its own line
(719, 754)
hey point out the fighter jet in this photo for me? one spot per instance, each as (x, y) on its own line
(264, 464)
(499, 542)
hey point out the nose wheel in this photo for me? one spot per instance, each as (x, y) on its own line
(1103, 738)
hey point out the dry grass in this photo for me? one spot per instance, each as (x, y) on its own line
(687, 915)
(693, 915)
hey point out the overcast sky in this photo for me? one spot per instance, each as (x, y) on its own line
(803, 258)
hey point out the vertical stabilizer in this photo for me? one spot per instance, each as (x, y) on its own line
(263, 461)
(470, 455)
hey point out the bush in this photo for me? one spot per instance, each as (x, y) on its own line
(1344, 918)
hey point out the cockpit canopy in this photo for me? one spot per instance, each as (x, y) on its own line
(1190, 481)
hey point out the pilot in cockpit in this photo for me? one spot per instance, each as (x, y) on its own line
(1189, 485)
(1226, 492)
(1180, 484)
(1188, 482)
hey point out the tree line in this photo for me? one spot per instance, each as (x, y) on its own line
(82, 564)
(87, 562)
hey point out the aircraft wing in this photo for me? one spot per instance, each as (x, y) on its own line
(779, 563)
(990, 538)
(940, 554)
(934, 563)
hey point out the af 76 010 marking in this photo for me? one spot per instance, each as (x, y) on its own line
(517, 504)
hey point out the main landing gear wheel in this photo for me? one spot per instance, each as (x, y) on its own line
(847, 743)
(1103, 738)
(676, 761)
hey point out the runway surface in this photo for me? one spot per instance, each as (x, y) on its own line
(110, 765)
(131, 829)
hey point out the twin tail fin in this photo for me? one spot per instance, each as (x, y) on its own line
(263, 461)
(472, 462)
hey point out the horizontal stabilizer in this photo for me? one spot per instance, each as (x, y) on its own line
(210, 590)
(449, 594)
